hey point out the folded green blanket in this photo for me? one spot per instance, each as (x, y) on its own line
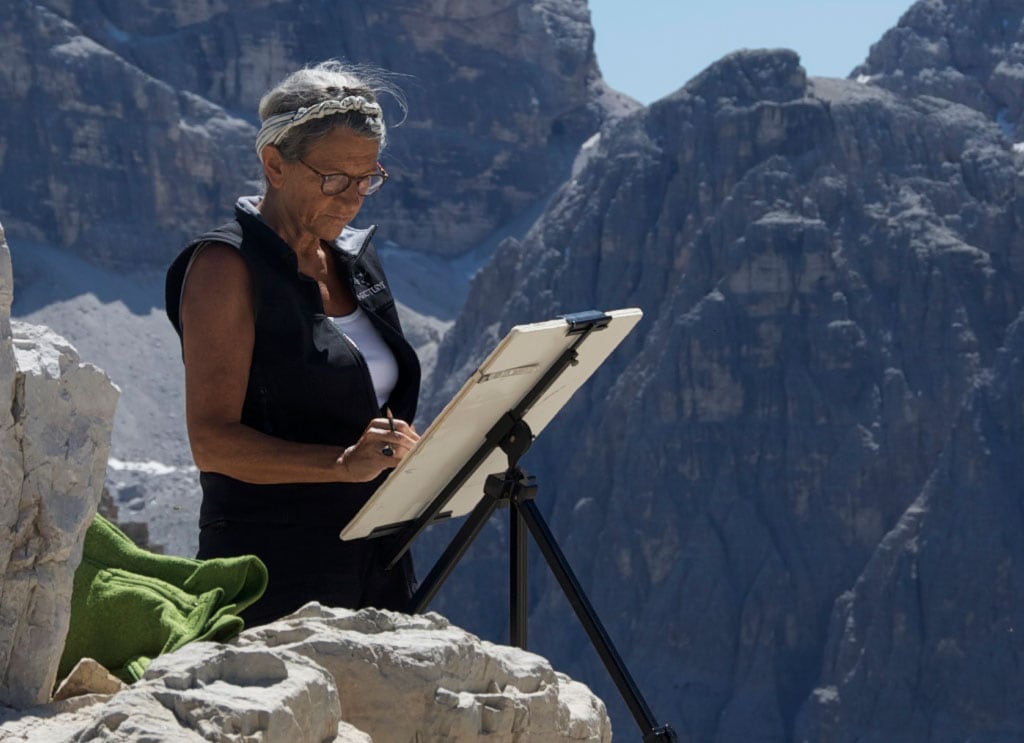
(129, 605)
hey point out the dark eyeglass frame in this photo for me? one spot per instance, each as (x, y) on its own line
(365, 184)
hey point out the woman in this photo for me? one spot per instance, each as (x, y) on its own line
(299, 384)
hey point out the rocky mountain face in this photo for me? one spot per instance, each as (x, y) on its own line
(792, 493)
(924, 645)
(150, 112)
(971, 53)
(101, 157)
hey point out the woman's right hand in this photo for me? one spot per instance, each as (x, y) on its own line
(378, 449)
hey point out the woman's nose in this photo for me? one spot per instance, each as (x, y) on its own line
(350, 196)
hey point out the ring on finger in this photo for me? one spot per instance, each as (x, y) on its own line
(387, 451)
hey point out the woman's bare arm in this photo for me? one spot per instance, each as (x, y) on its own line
(217, 317)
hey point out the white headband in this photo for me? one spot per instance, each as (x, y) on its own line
(274, 129)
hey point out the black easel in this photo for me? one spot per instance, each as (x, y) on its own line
(517, 490)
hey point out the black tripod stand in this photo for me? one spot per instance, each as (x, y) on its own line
(517, 490)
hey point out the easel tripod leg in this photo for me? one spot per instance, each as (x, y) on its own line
(595, 630)
(518, 577)
(450, 558)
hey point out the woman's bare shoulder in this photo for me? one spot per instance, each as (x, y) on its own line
(218, 276)
(214, 255)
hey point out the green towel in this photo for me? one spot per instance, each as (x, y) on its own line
(129, 605)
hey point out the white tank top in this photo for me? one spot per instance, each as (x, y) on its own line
(359, 329)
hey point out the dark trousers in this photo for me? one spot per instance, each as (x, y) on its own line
(310, 563)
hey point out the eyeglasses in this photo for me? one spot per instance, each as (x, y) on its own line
(332, 184)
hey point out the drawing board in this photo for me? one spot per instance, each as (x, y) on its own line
(498, 385)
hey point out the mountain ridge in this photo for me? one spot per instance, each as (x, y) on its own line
(837, 266)
(181, 89)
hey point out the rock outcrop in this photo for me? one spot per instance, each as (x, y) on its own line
(334, 675)
(926, 645)
(54, 438)
(439, 682)
(150, 113)
(828, 269)
(967, 51)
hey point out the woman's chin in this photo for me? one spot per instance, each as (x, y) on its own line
(330, 227)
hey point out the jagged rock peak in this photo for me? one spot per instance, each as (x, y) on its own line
(750, 76)
(967, 51)
(824, 277)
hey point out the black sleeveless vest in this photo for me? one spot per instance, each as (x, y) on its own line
(307, 382)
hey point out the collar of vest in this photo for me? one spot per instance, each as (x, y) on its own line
(349, 245)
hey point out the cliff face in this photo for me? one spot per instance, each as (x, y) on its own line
(55, 425)
(966, 51)
(150, 113)
(101, 157)
(925, 645)
(828, 269)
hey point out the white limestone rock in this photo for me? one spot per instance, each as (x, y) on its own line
(56, 415)
(409, 678)
(88, 677)
(11, 471)
(203, 692)
(333, 675)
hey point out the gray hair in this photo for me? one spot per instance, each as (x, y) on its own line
(329, 81)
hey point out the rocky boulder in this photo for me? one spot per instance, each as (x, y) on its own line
(400, 676)
(334, 675)
(55, 426)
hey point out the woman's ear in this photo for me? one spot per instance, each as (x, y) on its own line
(273, 165)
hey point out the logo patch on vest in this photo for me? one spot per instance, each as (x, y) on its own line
(363, 279)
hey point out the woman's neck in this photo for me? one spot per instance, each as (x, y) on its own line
(302, 242)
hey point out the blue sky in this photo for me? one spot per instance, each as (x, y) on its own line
(650, 48)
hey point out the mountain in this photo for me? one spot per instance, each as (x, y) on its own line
(924, 644)
(970, 53)
(151, 113)
(781, 492)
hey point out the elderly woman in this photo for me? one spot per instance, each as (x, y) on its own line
(300, 386)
